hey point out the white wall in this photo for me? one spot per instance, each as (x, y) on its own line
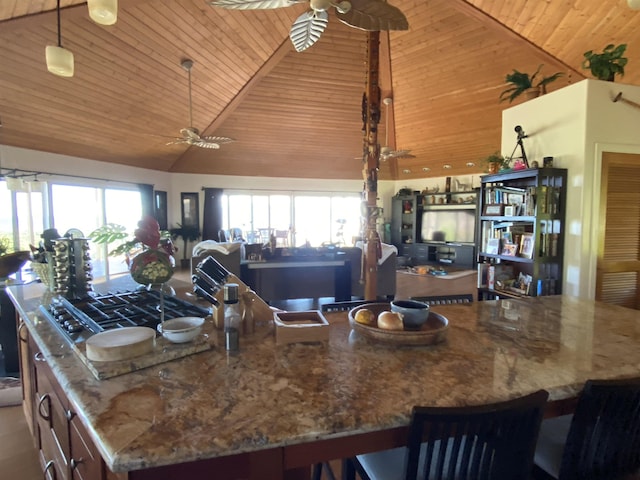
(575, 124)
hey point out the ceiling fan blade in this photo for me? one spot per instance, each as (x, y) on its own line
(307, 28)
(218, 140)
(374, 15)
(253, 4)
(177, 141)
(205, 144)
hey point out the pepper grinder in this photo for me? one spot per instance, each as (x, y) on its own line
(232, 317)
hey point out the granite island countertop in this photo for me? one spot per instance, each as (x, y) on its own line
(214, 404)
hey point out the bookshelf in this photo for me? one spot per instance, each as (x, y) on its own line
(521, 233)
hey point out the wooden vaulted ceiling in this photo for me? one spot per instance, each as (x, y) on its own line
(291, 114)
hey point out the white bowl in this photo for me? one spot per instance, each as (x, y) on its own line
(181, 329)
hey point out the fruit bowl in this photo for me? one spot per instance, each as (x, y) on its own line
(433, 331)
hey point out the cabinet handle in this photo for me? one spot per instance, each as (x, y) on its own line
(49, 465)
(44, 416)
(20, 327)
(75, 463)
(69, 414)
(39, 357)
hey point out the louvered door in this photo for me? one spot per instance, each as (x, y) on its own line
(618, 268)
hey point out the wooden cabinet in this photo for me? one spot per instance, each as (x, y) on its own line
(521, 233)
(436, 228)
(66, 451)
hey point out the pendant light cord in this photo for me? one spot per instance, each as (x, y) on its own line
(59, 34)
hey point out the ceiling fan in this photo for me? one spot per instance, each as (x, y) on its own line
(372, 15)
(191, 135)
(387, 152)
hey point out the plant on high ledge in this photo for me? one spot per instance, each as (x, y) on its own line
(521, 82)
(608, 64)
(496, 162)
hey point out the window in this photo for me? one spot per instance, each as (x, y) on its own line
(314, 219)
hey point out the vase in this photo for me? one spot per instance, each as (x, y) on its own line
(151, 267)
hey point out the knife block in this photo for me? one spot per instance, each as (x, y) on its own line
(262, 312)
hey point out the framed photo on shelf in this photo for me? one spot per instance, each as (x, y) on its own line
(509, 210)
(493, 209)
(509, 249)
(526, 245)
(493, 246)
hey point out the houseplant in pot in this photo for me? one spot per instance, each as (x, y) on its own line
(608, 64)
(496, 162)
(520, 82)
(187, 234)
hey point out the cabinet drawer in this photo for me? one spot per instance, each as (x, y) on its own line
(52, 462)
(85, 460)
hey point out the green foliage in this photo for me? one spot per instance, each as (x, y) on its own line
(608, 64)
(5, 245)
(520, 82)
(112, 232)
(497, 157)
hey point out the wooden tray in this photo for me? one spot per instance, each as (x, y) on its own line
(309, 326)
(432, 332)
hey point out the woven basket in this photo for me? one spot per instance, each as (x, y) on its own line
(44, 271)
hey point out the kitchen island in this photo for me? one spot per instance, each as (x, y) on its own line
(271, 411)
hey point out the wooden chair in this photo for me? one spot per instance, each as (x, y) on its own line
(282, 238)
(445, 299)
(601, 440)
(493, 441)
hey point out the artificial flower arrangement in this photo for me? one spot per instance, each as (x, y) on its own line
(149, 254)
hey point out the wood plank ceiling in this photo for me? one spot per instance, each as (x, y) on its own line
(291, 114)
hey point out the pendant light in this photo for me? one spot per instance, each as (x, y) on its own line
(103, 12)
(634, 4)
(59, 60)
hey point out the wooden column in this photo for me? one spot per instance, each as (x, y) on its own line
(371, 163)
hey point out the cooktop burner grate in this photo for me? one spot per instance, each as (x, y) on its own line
(78, 319)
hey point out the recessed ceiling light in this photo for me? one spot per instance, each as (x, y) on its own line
(471, 164)
(406, 170)
(426, 169)
(446, 166)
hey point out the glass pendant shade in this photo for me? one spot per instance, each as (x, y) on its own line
(59, 61)
(104, 12)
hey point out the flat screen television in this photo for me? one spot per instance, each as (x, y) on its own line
(453, 226)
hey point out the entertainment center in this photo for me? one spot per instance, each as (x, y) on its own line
(435, 228)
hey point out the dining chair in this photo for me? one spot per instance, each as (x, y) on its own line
(600, 440)
(491, 441)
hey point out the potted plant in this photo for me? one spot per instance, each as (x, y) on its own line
(496, 162)
(520, 82)
(187, 234)
(605, 65)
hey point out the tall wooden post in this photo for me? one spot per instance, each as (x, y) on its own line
(371, 164)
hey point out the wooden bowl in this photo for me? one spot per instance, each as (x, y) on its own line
(433, 331)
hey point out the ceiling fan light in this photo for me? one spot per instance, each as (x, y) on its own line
(103, 12)
(59, 61)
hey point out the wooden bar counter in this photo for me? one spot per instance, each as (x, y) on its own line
(271, 411)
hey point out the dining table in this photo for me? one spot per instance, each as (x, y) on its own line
(273, 410)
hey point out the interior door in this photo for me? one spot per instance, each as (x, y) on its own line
(618, 265)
